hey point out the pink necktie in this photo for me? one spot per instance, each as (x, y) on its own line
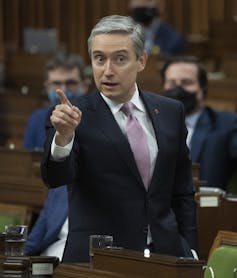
(138, 142)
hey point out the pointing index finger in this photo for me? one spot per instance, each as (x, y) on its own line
(63, 98)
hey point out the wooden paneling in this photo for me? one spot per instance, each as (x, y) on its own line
(2, 54)
(20, 180)
(12, 28)
(217, 10)
(25, 69)
(210, 24)
(74, 19)
(15, 109)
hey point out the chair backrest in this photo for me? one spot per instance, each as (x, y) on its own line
(232, 184)
(14, 214)
(222, 260)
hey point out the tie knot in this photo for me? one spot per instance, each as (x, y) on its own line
(127, 108)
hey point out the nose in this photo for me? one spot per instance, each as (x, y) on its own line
(63, 86)
(108, 70)
(178, 83)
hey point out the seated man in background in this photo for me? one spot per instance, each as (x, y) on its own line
(160, 38)
(212, 135)
(64, 71)
(49, 233)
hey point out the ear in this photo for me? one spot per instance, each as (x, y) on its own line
(142, 61)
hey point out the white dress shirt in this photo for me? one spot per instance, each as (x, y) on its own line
(191, 122)
(56, 249)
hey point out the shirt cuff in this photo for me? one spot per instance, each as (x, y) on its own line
(195, 255)
(60, 153)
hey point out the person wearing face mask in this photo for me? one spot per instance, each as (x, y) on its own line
(160, 38)
(63, 71)
(212, 135)
(48, 235)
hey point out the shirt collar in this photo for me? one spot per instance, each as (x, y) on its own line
(191, 120)
(135, 100)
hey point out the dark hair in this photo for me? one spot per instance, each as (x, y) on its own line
(66, 61)
(202, 74)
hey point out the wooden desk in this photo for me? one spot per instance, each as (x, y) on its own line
(28, 267)
(212, 219)
(134, 264)
(78, 271)
(20, 180)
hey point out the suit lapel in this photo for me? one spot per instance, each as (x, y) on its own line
(203, 127)
(154, 111)
(106, 122)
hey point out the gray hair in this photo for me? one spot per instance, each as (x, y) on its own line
(120, 25)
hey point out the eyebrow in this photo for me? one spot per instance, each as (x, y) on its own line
(123, 51)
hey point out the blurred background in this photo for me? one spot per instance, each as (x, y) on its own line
(32, 30)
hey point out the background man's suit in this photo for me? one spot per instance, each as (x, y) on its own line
(108, 196)
(214, 146)
(50, 221)
(169, 41)
(34, 136)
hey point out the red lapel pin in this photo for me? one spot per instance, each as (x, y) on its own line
(156, 111)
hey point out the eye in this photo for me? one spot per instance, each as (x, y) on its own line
(187, 82)
(99, 58)
(121, 59)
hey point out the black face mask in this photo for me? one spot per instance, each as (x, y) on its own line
(144, 15)
(188, 99)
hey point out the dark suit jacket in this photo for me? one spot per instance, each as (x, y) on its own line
(169, 41)
(214, 146)
(48, 225)
(108, 196)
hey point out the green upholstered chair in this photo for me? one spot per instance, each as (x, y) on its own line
(222, 261)
(8, 219)
(14, 214)
(232, 185)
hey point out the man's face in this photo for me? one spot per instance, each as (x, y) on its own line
(184, 75)
(64, 79)
(115, 65)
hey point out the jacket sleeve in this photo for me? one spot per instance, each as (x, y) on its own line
(183, 203)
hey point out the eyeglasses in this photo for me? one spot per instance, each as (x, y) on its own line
(67, 83)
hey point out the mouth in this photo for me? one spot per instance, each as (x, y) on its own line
(109, 85)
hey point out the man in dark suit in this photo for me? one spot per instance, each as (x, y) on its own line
(89, 146)
(160, 37)
(212, 135)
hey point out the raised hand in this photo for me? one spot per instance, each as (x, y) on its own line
(65, 118)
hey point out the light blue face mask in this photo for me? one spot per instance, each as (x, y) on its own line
(72, 96)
